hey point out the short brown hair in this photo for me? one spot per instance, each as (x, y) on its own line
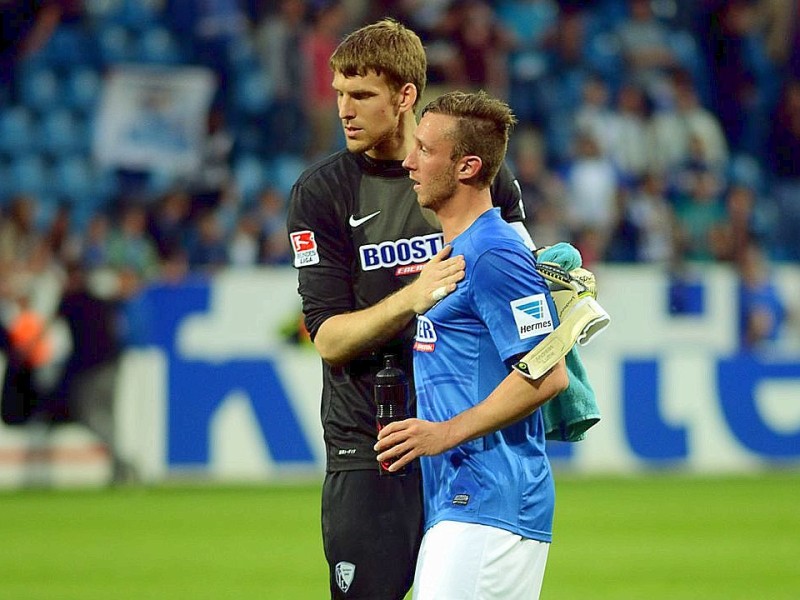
(482, 128)
(386, 47)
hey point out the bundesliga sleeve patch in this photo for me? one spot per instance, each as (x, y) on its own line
(305, 248)
(532, 316)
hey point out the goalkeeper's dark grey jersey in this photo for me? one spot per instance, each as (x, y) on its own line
(358, 234)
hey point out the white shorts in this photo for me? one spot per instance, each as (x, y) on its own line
(466, 561)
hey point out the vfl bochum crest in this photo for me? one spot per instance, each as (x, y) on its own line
(345, 572)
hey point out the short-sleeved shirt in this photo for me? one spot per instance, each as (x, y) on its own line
(462, 350)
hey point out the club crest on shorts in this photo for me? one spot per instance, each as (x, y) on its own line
(344, 571)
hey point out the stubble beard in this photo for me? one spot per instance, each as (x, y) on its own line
(442, 188)
(380, 142)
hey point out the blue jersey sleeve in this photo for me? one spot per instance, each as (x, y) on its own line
(513, 300)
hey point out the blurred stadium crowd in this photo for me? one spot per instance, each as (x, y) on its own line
(651, 131)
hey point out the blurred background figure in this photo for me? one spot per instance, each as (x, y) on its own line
(319, 99)
(280, 37)
(86, 391)
(762, 311)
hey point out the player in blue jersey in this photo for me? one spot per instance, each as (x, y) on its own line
(487, 486)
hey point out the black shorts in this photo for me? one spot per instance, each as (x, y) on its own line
(371, 532)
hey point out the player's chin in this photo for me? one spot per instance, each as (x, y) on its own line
(356, 146)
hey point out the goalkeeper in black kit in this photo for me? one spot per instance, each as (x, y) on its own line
(360, 243)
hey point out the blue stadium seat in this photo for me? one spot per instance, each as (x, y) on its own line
(82, 88)
(61, 132)
(286, 168)
(242, 55)
(40, 88)
(6, 189)
(252, 93)
(70, 44)
(249, 172)
(156, 45)
(29, 174)
(16, 130)
(73, 176)
(133, 14)
(115, 45)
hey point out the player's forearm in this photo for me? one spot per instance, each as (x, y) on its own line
(343, 337)
(514, 399)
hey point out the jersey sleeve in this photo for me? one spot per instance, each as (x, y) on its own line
(513, 300)
(322, 253)
(507, 195)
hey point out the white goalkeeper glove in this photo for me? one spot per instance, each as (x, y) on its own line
(581, 317)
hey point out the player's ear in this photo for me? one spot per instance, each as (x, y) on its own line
(469, 166)
(408, 97)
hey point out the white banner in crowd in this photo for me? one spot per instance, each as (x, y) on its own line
(154, 118)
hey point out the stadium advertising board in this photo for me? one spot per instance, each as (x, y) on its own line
(217, 388)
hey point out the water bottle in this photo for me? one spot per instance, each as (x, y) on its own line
(391, 400)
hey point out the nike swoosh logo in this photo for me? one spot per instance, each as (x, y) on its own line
(354, 222)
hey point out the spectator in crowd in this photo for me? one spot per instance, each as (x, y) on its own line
(783, 164)
(700, 215)
(93, 253)
(211, 28)
(762, 311)
(481, 44)
(19, 238)
(319, 98)
(206, 248)
(683, 118)
(595, 113)
(169, 221)
(592, 184)
(243, 244)
(746, 224)
(270, 214)
(743, 81)
(60, 239)
(280, 38)
(561, 89)
(777, 22)
(645, 46)
(531, 26)
(632, 143)
(543, 193)
(86, 391)
(130, 247)
(650, 212)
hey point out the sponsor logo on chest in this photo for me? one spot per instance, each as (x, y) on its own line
(408, 255)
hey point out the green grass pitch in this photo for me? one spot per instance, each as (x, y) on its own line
(646, 537)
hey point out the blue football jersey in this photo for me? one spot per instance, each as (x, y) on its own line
(462, 350)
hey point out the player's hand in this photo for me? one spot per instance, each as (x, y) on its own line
(439, 277)
(404, 441)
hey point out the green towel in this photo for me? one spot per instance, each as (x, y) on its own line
(569, 415)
